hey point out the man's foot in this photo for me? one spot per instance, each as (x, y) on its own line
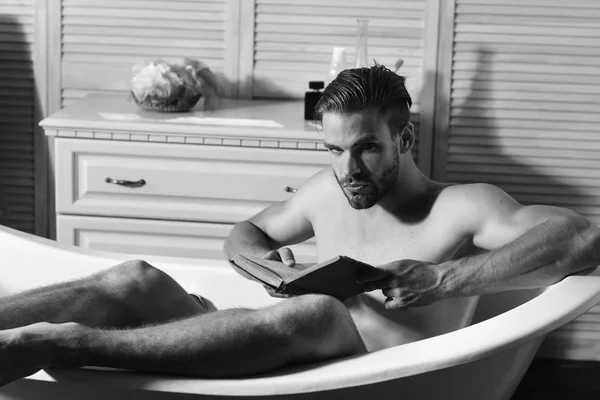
(23, 351)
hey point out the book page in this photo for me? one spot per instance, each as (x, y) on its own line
(278, 267)
(253, 270)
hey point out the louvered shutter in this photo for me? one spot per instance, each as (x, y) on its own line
(525, 100)
(17, 102)
(294, 40)
(103, 39)
(525, 115)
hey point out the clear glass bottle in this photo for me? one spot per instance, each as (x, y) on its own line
(338, 63)
(362, 34)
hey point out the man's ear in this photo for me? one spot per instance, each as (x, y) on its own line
(407, 137)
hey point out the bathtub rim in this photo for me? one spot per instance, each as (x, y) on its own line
(568, 298)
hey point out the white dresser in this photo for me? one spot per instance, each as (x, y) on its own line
(132, 181)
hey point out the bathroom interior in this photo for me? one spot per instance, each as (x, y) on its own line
(505, 92)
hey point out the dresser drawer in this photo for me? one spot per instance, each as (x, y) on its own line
(162, 238)
(180, 182)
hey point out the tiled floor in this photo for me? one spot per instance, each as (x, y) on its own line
(560, 380)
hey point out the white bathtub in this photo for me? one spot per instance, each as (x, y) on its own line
(483, 361)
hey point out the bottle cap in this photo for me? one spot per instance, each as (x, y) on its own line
(317, 85)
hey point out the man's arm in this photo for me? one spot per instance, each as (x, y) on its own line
(529, 246)
(276, 226)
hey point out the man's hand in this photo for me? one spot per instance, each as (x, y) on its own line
(284, 255)
(405, 283)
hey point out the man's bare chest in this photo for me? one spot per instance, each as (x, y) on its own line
(383, 241)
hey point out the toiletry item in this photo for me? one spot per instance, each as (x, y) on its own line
(362, 34)
(338, 63)
(311, 98)
(399, 63)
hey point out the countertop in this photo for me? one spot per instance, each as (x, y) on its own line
(234, 118)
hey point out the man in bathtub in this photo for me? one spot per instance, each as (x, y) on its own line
(372, 204)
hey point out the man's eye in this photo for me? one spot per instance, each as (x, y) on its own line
(335, 151)
(368, 146)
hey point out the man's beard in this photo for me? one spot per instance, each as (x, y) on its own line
(375, 190)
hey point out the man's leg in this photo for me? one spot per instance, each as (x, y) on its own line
(221, 344)
(130, 294)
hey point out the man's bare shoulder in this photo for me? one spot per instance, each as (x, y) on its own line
(473, 194)
(290, 221)
(317, 190)
(469, 205)
(317, 183)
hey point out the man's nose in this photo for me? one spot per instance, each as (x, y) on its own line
(351, 166)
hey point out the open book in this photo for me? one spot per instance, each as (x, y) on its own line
(335, 277)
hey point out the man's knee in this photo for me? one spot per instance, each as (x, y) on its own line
(135, 276)
(316, 310)
(319, 326)
(148, 294)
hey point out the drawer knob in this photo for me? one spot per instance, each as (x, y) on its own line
(131, 184)
(290, 189)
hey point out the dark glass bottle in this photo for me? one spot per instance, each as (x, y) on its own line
(311, 98)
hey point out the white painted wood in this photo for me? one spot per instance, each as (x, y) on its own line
(522, 115)
(54, 55)
(246, 47)
(443, 87)
(293, 41)
(232, 48)
(522, 94)
(192, 183)
(240, 119)
(103, 40)
(159, 238)
(40, 56)
(287, 44)
(51, 186)
(428, 92)
(197, 185)
(20, 64)
(41, 110)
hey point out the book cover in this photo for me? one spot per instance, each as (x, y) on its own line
(335, 277)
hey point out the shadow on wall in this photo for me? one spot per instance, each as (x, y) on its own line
(261, 84)
(17, 117)
(491, 161)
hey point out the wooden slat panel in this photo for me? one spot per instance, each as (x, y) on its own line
(73, 23)
(71, 95)
(563, 12)
(537, 3)
(507, 132)
(526, 86)
(524, 105)
(17, 101)
(525, 95)
(524, 124)
(294, 40)
(102, 40)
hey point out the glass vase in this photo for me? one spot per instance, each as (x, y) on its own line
(362, 34)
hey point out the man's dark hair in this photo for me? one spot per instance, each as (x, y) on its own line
(375, 88)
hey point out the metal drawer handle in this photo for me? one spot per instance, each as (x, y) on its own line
(290, 189)
(131, 184)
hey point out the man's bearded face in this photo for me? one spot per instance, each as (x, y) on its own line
(364, 155)
(374, 187)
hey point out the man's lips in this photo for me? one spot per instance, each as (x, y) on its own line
(356, 187)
